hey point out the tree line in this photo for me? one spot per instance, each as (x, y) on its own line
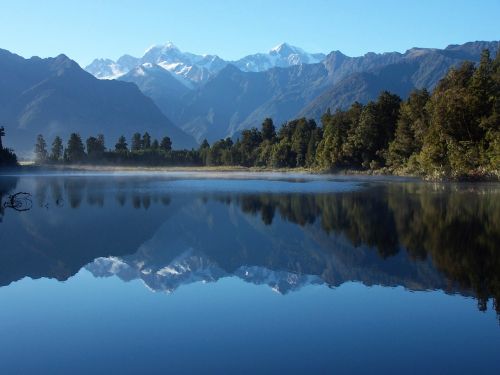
(143, 150)
(452, 132)
(457, 229)
(7, 156)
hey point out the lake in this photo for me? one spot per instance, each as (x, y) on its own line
(248, 273)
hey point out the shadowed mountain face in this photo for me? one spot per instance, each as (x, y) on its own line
(158, 84)
(420, 236)
(55, 96)
(235, 100)
(211, 98)
(363, 78)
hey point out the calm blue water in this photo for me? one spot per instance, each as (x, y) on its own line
(192, 273)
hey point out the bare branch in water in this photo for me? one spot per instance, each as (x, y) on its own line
(20, 201)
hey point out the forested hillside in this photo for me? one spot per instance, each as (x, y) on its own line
(453, 132)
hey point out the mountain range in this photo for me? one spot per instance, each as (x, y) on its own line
(224, 98)
(191, 97)
(194, 70)
(54, 96)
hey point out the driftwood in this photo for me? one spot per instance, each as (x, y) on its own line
(20, 201)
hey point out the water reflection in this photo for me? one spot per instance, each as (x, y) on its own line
(7, 185)
(415, 235)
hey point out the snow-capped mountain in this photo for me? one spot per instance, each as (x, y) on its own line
(191, 267)
(283, 56)
(188, 68)
(105, 69)
(192, 69)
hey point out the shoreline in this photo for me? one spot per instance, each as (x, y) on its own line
(228, 169)
(31, 167)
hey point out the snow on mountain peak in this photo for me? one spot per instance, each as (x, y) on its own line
(192, 69)
(285, 49)
(170, 45)
(283, 55)
(164, 47)
(278, 47)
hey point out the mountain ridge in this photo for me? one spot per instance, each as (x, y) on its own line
(195, 69)
(54, 96)
(310, 89)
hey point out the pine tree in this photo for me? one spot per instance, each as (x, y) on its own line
(136, 142)
(268, 130)
(57, 149)
(2, 134)
(75, 151)
(121, 145)
(155, 145)
(166, 144)
(40, 149)
(146, 141)
(412, 125)
(95, 147)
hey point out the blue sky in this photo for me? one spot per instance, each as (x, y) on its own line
(109, 28)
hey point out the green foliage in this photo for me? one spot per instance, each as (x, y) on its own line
(41, 153)
(57, 149)
(75, 152)
(268, 130)
(166, 144)
(2, 134)
(249, 146)
(453, 132)
(462, 138)
(95, 147)
(204, 151)
(7, 158)
(155, 145)
(136, 143)
(146, 141)
(411, 128)
(121, 146)
(220, 153)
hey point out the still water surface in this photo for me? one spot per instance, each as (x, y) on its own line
(196, 273)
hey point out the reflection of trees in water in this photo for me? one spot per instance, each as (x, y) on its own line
(363, 218)
(55, 192)
(458, 229)
(7, 185)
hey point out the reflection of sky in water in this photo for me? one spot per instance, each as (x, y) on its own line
(88, 324)
(319, 275)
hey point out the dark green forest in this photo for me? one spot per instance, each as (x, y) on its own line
(7, 156)
(453, 132)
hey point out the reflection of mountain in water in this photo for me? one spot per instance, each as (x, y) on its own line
(72, 222)
(418, 236)
(190, 267)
